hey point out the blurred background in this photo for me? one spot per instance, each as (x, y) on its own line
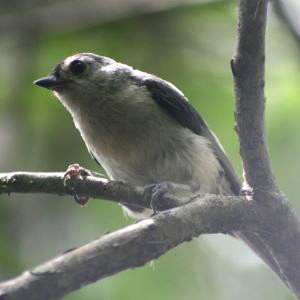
(189, 43)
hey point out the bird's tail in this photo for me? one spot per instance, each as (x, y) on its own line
(260, 248)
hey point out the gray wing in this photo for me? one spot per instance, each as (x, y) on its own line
(176, 105)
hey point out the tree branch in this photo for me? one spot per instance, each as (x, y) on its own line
(280, 228)
(248, 70)
(91, 187)
(130, 247)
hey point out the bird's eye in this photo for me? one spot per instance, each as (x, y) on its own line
(77, 66)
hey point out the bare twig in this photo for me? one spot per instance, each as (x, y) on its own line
(130, 247)
(91, 186)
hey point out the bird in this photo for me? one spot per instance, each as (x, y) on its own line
(142, 130)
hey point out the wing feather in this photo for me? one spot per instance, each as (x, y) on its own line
(176, 105)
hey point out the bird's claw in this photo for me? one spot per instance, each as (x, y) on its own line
(75, 170)
(154, 193)
(78, 172)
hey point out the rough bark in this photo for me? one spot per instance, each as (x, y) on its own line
(130, 247)
(279, 226)
(90, 187)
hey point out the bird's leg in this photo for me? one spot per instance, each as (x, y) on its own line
(178, 194)
(78, 172)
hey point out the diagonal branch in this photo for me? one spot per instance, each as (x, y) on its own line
(130, 247)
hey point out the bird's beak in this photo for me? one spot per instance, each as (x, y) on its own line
(51, 82)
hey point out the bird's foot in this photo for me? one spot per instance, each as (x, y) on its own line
(167, 194)
(75, 171)
(155, 192)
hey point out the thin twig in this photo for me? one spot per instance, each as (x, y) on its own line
(90, 187)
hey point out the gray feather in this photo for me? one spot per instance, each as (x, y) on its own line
(173, 102)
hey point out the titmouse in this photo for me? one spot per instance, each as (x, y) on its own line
(142, 130)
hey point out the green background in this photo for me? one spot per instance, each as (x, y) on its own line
(190, 46)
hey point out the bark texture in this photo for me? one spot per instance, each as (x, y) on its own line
(130, 247)
(279, 226)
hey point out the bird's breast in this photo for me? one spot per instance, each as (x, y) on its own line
(137, 142)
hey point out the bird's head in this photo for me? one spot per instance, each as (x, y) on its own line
(84, 75)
